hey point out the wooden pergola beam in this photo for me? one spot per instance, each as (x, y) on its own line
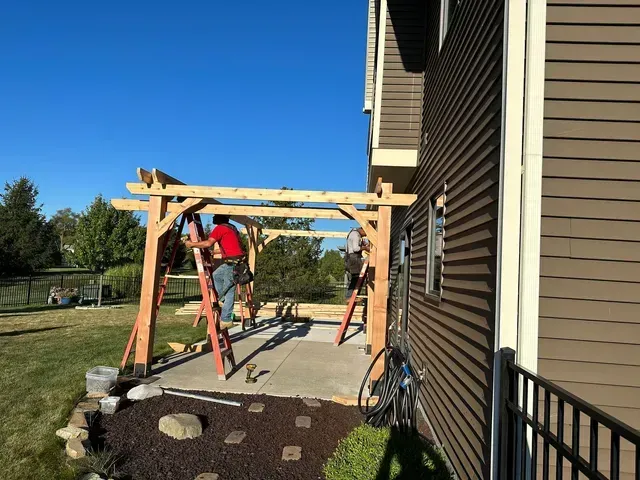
(266, 194)
(144, 176)
(304, 233)
(254, 210)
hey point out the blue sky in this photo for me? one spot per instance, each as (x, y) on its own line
(255, 94)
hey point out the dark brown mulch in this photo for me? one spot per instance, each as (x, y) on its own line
(149, 454)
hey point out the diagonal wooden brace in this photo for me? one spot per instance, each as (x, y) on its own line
(352, 212)
(167, 222)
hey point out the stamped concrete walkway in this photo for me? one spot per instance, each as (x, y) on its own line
(293, 359)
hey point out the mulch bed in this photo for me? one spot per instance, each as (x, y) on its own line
(148, 454)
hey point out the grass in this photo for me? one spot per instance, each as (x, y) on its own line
(369, 453)
(45, 354)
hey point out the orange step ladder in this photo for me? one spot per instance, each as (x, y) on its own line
(204, 265)
(351, 306)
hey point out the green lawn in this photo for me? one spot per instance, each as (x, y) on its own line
(45, 354)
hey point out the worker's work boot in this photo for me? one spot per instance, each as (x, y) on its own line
(225, 325)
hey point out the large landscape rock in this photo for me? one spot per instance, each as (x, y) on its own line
(142, 392)
(181, 426)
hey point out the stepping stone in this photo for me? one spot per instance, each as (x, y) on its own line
(311, 402)
(207, 476)
(181, 426)
(304, 422)
(256, 407)
(236, 437)
(291, 453)
(67, 433)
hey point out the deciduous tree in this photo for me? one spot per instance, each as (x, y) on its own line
(107, 237)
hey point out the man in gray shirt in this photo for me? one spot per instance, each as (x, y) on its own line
(353, 257)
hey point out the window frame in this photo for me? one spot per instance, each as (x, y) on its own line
(431, 230)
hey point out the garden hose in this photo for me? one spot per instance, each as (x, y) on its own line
(397, 392)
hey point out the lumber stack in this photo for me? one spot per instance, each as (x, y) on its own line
(287, 310)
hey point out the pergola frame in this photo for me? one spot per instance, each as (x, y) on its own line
(163, 212)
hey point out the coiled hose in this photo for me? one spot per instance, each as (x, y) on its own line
(397, 392)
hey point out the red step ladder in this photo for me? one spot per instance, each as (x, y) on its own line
(220, 340)
(351, 306)
(247, 301)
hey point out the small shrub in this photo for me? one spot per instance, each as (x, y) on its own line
(125, 280)
(102, 462)
(369, 453)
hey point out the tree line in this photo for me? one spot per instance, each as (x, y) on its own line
(101, 237)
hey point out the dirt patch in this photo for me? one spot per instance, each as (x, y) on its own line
(148, 454)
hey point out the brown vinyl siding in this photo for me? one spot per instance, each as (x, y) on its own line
(589, 327)
(402, 75)
(454, 337)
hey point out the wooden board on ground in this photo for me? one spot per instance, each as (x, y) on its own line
(352, 400)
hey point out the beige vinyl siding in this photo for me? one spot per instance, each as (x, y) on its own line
(402, 75)
(454, 338)
(589, 336)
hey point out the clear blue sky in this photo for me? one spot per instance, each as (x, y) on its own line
(254, 93)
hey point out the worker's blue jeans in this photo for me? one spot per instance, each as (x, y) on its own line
(223, 281)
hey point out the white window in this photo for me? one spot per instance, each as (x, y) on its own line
(435, 244)
(447, 7)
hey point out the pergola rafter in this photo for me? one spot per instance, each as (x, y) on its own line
(162, 188)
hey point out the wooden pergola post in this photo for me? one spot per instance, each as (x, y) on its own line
(381, 285)
(150, 273)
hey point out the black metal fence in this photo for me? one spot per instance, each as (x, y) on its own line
(35, 290)
(534, 414)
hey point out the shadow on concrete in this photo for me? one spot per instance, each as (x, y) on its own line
(288, 332)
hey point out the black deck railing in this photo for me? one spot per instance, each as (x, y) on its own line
(526, 411)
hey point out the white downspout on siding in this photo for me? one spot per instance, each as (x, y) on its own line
(527, 352)
(507, 281)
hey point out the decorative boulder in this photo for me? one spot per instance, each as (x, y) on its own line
(181, 426)
(142, 392)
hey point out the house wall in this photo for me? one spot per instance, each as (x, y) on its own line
(454, 337)
(589, 326)
(399, 109)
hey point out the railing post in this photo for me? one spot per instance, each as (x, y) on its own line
(184, 289)
(507, 426)
(29, 290)
(61, 280)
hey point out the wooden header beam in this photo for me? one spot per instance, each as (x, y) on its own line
(303, 233)
(224, 209)
(265, 194)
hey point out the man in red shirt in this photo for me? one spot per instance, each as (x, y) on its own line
(228, 237)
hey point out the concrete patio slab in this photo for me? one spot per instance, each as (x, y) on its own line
(292, 360)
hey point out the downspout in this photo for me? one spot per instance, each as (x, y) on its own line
(508, 257)
(527, 352)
